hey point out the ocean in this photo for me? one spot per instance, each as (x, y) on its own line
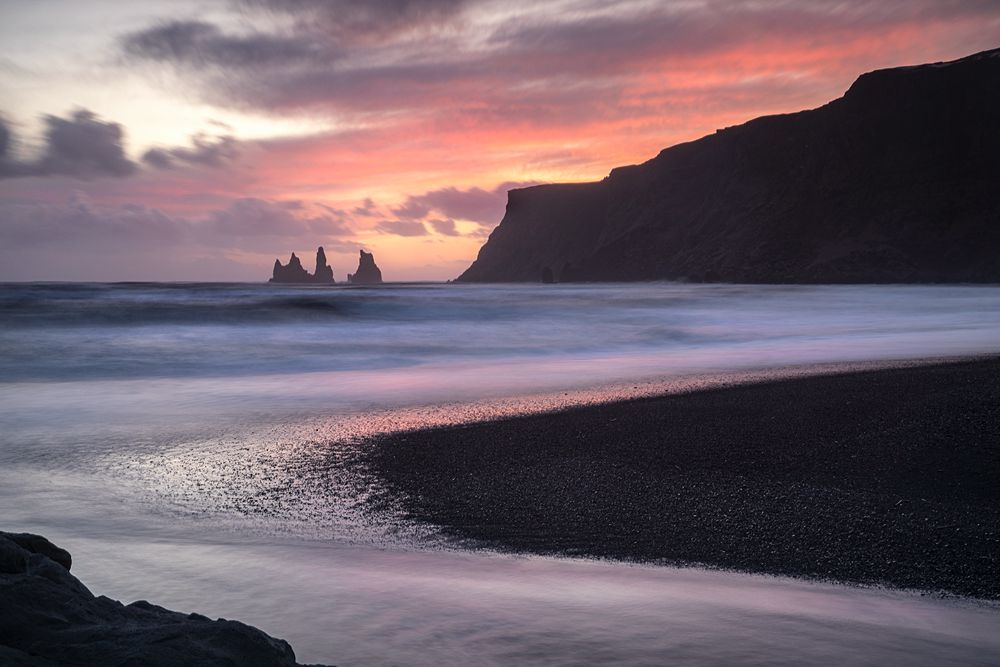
(191, 444)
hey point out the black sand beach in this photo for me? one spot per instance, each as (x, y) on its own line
(887, 477)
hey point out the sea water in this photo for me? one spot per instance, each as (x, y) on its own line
(189, 444)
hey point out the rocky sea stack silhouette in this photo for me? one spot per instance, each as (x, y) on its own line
(896, 181)
(293, 272)
(368, 272)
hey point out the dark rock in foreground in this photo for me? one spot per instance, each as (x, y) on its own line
(47, 617)
(39, 545)
(896, 181)
(368, 272)
(882, 477)
(295, 273)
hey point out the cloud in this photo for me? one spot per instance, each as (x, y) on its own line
(250, 217)
(438, 209)
(445, 227)
(367, 209)
(198, 44)
(402, 228)
(204, 151)
(8, 166)
(244, 224)
(79, 223)
(4, 139)
(412, 208)
(81, 145)
(354, 21)
(608, 37)
(84, 146)
(484, 207)
(80, 240)
(546, 59)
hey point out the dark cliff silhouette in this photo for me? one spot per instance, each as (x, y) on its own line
(368, 272)
(896, 181)
(293, 272)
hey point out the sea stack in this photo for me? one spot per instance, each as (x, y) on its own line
(293, 272)
(323, 272)
(368, 272)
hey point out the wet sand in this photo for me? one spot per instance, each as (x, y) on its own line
(888, 477)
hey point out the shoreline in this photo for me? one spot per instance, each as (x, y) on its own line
(885, 477)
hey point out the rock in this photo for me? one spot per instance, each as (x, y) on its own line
(48, 617)
(368, 272)
(547, 276)
(290, 273)
(896, 181)
(294, 272)
(39, 545)
(323, 272)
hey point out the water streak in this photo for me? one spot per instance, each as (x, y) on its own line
(205, 431)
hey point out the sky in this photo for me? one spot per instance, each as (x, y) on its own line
(182, 140)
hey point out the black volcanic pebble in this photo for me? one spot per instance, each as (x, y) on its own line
(881, 477)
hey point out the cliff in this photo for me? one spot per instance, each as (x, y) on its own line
(368, 272)
(48, 617)
(896, 181)
(293, 272)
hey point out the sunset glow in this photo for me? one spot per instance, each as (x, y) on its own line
(175, 141)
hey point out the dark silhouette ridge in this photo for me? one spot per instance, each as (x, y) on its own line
(368, 272)
(293, 272)
(48, 617)
(896, 181)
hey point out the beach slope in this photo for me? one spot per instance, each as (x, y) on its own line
(887, 477)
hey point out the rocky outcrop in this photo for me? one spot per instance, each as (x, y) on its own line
(39, 545)
(323, 272)
(896, 181)
(47, 617)
(294, 272)
(291, 272)
(368, 272)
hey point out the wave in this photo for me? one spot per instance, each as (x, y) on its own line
(580, 333)
(81, 307)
